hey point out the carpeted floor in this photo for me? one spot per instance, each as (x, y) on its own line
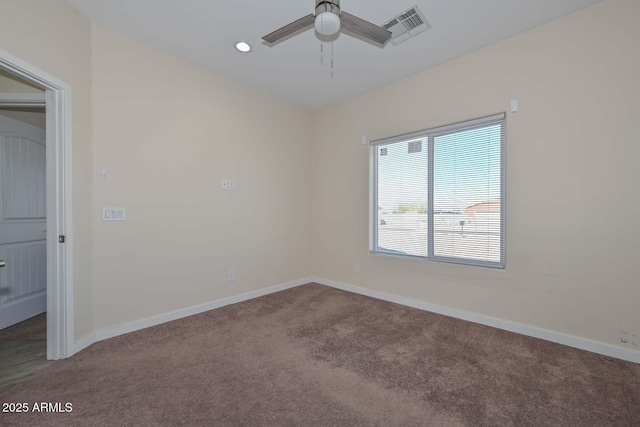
(317, 356)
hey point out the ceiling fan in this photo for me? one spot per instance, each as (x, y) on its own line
(328, 21)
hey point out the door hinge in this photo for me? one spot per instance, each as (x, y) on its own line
(62, 238)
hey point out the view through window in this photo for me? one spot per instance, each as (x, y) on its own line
(440, 193)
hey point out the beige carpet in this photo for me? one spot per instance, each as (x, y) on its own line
(316, 356)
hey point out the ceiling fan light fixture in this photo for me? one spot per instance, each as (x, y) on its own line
(327, 23)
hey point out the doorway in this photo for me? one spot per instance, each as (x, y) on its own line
(56, 224)
(23, 284)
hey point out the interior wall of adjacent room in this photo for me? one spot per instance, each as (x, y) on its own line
(55, 37)
(167, 132)
(32, 117)
(572, 199)
(10, 84)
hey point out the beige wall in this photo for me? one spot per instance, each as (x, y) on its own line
(55, 37)
(572, 174)
(167, 131)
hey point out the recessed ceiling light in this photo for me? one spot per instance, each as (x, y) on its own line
(243, 47)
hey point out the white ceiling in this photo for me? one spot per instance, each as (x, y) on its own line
(205, 32)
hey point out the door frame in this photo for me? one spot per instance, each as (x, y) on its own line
(22, 100)
(60, 301)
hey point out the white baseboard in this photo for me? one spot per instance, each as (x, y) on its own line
(83, 343)
(532, 331)
(125, 328)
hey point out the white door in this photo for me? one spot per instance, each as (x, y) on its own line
(23, 279)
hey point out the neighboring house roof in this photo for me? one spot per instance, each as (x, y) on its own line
(488, 206)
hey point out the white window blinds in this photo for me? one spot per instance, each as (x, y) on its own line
(439, 193)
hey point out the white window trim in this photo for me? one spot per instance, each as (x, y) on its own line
(430, 134)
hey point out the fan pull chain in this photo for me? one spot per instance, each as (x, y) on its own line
(321, 43)
(332, 60)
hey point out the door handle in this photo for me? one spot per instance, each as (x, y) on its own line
(2, 263)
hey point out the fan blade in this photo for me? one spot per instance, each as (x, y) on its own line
(301, 24)
(365, 29)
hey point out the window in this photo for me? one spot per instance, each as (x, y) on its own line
(440, 193)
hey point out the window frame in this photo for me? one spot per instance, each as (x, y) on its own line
(430, 135)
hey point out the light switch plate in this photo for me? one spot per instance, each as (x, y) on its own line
(110, 213)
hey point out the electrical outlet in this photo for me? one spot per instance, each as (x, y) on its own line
(356, 268)
(624, 336)
(232, 185)
(628, 338)
(231, 276)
